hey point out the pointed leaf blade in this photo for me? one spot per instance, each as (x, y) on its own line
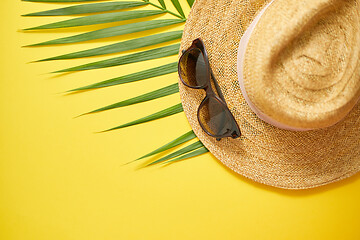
(161, 114)
(127, 59)
(99, 19)
(113, 31)
(180, 140)
(190, 2)
(89, 8)
(162, 3)
(178, 7)
(122, 46)
(182, 151)
(138, 76)
(192, 154)
(62, 1)
(159, 93)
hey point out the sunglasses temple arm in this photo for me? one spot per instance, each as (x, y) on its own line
(217, 87)
(222, 98)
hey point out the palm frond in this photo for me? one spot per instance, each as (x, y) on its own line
(88, 8)
(178, 7)
(190, 2)
(122, 46)
(180, 140)
(127, 59)
(98, 15)
(162, 92)
(99, 19)
(180, 152)
(133, 77)
(161, 114)
(162, 3)
(192, 154)
(164, 9)
(113, 31)
(62, 1)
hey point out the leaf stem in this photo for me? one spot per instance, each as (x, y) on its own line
(165, 10)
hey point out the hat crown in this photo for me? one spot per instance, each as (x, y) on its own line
(301, 66)
(317, 61)
(264, 153)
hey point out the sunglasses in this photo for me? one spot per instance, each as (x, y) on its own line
(213, 114)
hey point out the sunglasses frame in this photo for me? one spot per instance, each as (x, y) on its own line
(234, 132)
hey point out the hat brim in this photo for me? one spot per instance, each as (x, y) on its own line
(264, 153)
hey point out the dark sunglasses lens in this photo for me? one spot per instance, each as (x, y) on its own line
(193, 69)
(215, 117)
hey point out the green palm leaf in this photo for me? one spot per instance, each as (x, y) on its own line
(162, 92)
(133, 77)
(127, 59)
(164, 8)
(192, 150)
(62, 1)
(192, 154)
(180, 152)
(162, 3)
(161, 114)
(113, 31)
(180, 140)
(99, 18)
(122, 46)
(88, 8)
(178, 7)
(190, 2)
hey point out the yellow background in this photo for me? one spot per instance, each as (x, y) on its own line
(59, 180)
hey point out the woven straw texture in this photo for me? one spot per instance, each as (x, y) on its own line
(301, 66)
(266, 154)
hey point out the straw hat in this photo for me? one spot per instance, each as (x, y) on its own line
(290, 73)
